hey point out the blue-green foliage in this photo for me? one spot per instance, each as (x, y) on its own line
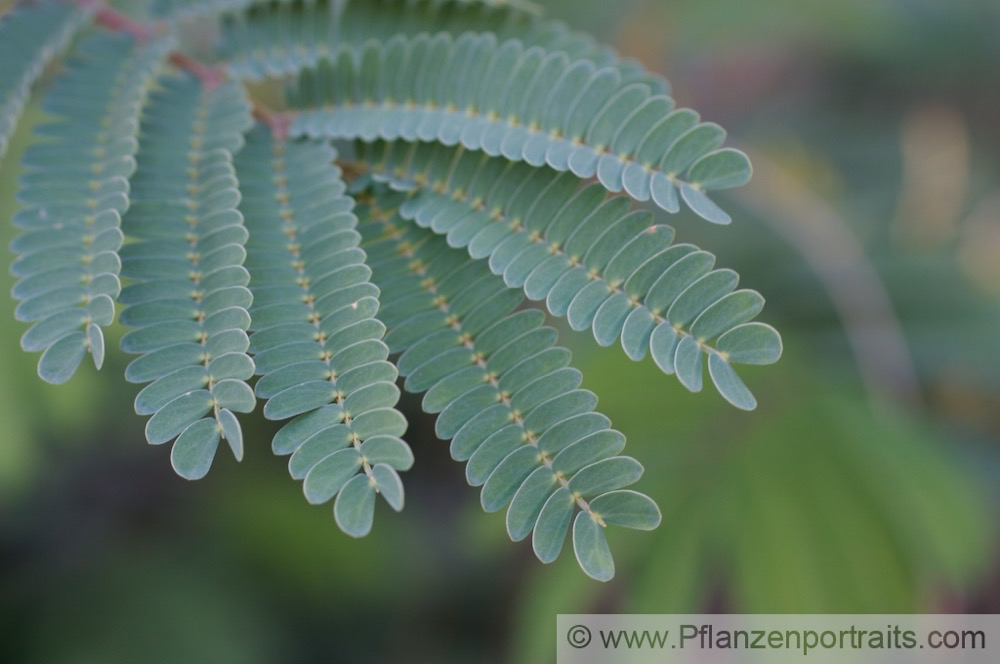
(73, 193)
(31, 33)
(188, 301)
(317, 344)
(527, 105)
(504, 393)
(280, 38)
(497, 156)
(590, 257)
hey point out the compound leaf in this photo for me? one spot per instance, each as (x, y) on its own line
(314, 335)
(186, 302)
(506, 398)
(573, 124)
(589, 257)
(31, 34)
(76, 187)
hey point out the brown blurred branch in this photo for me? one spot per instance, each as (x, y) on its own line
(824, 239)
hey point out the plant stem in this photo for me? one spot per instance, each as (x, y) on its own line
(277, 122)
(118, 22)
(210, 76)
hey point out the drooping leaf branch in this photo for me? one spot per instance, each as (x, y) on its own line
(526, 104)
(73, 195)
(31, 35)
(315, 339)
(590, 257)
(188, 301)
(505, 397)
(492, 149)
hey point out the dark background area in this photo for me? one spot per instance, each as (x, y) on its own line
(866, 481)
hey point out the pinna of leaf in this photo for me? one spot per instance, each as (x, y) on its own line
(494, 160)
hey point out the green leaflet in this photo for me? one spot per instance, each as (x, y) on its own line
(504, 395)
(187, 303)
(586, 118)
(591, 548)
(192, 454)
(74, 190)
(590, 258)
(277, 39)
(354, 508)
(31, 34)
(627, 507)
(315, 338)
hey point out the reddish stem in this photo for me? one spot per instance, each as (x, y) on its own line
(277, 122)
(210, 77)
(114, 20)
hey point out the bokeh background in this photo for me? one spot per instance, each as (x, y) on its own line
(866, 481)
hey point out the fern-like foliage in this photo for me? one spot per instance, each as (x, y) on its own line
(506, 398)
(33, 33)
(188, 301)
(316, 341)
(280, 38)
(590, 257)
(506, 99)
(487, 158)
(73, 195)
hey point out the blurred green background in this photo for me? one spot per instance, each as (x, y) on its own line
(865, 482)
